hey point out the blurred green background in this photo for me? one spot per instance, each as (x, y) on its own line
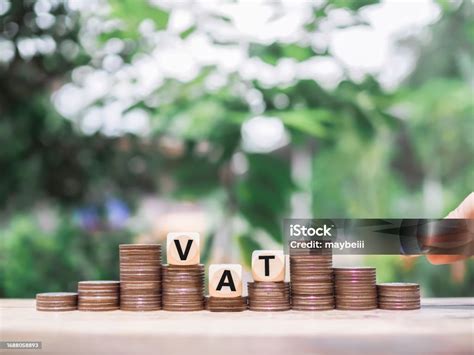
(122, 120)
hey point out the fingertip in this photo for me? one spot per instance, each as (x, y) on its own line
(444, 259)
(452, 215)
(466, 207)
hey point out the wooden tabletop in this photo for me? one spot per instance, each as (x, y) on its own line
(443, 325)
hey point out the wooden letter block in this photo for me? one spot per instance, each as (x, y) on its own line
(225, 280)
(182, 248)
(268, 265)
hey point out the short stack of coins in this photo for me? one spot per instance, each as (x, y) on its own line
(355, 288)
(269, 296)
(98, 295)
(140, 277)
(312, 284)
(56, 301)
(398, 296)
(183, 287)
(226, 304)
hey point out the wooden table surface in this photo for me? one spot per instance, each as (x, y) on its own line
(443, 325)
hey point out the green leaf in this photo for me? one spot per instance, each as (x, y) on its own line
(353, 4)
(186, 33)
(312, 122)
(273, 53)
(132, 13)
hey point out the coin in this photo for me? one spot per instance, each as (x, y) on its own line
(269, 296)
(398, 296)
(98, 295)
(140, 277)
(55, 309)
(140, 308)
(269, 308)
(355, 288)
(312, 285)
(180, 308)
(298, 307)
(183, 287)
(226, 304)
(355, 307)
(56, 301)
(398, 286)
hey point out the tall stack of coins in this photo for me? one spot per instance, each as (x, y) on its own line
(312, 286)
(226, 304)
(140, 277)
(269, 296)
(56, 301)
(99, 295)
(399, 296)
(183, 287)
(355, 288)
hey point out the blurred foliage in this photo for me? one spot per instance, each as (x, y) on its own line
(247, 245)
(372, 152)
(265, 193)
(49, 159)
(432, 145)
(135, 15)
(46, 156)
(34, 260)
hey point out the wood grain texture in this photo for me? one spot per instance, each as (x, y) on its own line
(443, 325)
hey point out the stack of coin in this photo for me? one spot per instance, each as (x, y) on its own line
(56, 301)
(312, 286)
(355, 288)
(140, 277)
(269, 296)
(99, 295)
(399, 296)
(226, 304)
(183, 287)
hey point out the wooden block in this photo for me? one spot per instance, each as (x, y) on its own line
(225, 280)
(182, 248)
(287, 268)
(268, 265)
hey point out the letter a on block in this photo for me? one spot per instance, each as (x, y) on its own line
(182, 248)
(225, 280)
(268, 265)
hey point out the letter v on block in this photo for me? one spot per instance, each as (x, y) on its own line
(182, 248)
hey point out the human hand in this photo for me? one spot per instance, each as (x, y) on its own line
(464, 211)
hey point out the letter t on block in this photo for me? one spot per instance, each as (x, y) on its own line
(268, 265)
(225, 280)
(182, 248)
